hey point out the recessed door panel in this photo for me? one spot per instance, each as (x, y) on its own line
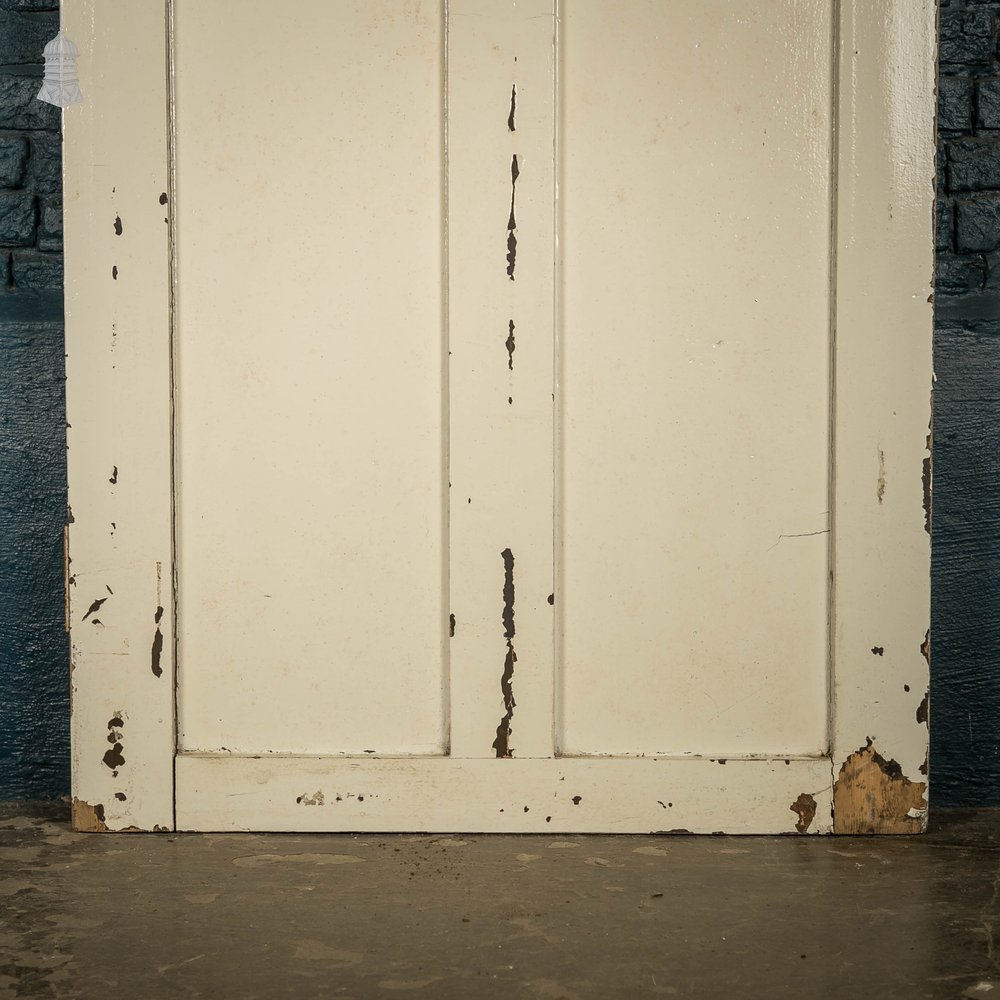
(309, 357)
(695, 220)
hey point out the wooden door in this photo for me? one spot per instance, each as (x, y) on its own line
(500, 416)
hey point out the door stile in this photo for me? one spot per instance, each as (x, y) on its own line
(884, 371)
(119, 589)
(501, 59)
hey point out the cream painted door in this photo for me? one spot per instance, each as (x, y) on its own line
(481, 414)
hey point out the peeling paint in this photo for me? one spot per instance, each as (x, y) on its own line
(157, 648)
(926, 477)
(88, 818)
(113, 758)
(923, 709)
(872, 795)
(805, 808)
(511, 222)
(95, 606)
(925, 647)
(316, 799)
(502, 742)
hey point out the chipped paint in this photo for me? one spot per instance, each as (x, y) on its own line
(114, 759)
(157, 648)
(872, 795)
(118, 225)
(509, 344)
(805, 808)
(511, 222)
(513, 108)
(880, 484)
(87, 818)
(923, 709)
(502, 742)
(94, 607)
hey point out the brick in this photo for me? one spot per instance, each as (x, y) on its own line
(19, 108)
(35, 270)
(958, 275)
(13, 160)
(17, 218)
(974, 164)
(944, 224)
(977, 224)
(992, 283)
(966, 36)
(25, 5)
(23, 37)
(45, 164)
(988, 102)
(955, 103)
(50, 228)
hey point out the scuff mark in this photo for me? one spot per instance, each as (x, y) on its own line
(451, 626)
(157, 649)
(87, 818)
(923, 709)
(513, 108)
(878, 650)
(805, 808)
(114, 476)
(118, 225)
(502, 742)
(511, 223)
(880, 487)
(872, 795)
(509, 344)
(94, 607)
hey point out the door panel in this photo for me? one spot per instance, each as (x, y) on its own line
(309, 357)
(695, 221)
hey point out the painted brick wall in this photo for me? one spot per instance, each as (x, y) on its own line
(965, 733)
(965, 682)
(34, 687)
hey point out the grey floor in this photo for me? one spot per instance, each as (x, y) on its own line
(556, 918)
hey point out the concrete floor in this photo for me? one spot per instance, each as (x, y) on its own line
(556, 918)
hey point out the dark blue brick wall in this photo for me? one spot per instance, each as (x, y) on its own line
(34, 685)
(965, 734)
(965, 614)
